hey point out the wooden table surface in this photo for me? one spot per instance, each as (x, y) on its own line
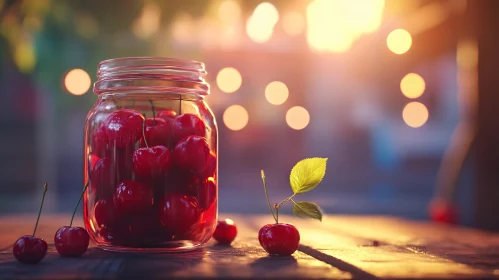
(341, 247)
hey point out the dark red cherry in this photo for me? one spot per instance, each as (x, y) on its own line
(225, 232)
(210, 167)
(192, 153)
(111, 234)
(99, 142)
(123, 128)
(104, 212)
(442, 211)
(186, 125)
(205, 192)
(167, 115)
(156, 131)
(30, 249)
(178, 213)
(92, 160)
(103, 173)
(279, 239)
(133, 196)
(71, 241)
(152, 162)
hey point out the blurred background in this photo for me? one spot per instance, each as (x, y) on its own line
(387, 90)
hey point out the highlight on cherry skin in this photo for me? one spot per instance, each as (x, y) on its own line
(28, 248)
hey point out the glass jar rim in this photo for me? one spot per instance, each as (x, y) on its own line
(151, 73)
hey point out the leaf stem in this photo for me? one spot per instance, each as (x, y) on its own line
(267, 196)
(143, 131)
(276, 207)
(78, 204)
(41, 206)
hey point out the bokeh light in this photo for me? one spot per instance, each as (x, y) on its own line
(293, 23)
(261, 23)
(276, 93)
(415, 114)
(235, 117)
(77, 81)
(267, 11)
(229, 80)
(147, 24)
(334, 25)
(25, 57)
(412, 85)
(297, 118)
(399, 41)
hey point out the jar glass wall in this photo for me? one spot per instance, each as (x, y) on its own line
(150, 157)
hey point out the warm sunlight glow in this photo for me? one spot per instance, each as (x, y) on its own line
(182, 29)
(293, 23)
(235, 117)
(77, 81)
(276, 93)
(415, 114)
(260, 24)
(297, 118)
(412, 85)
(333, 25)
(229, 80)
(229, 11)
(399, 41)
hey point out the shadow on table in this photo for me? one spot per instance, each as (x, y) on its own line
(271, 262)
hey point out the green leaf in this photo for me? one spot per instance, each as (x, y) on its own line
(306, 209)
(307, 174)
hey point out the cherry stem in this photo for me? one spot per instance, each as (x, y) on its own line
(144, 131)
(153, 113)
(78, 204)
(41, 206)
(267, 196)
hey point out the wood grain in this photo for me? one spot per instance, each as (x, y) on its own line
(342, 247)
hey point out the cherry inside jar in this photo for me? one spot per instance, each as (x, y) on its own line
(150, 156)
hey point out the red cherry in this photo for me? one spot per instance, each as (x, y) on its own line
(205, 192)
(133, 196)
(167, 115)
(178, 213)
(103, 173)
(99, 143)
(123, 127)
(442, 211)
(186, 125)
(104, 212)
(192, 153)
(30, 249)
(149, 163)
(279, 239)
(71, 241)
(211, 166)
(157, 132)
(225, 232)
(110, 235)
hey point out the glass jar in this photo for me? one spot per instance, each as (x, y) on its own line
(150, 156)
